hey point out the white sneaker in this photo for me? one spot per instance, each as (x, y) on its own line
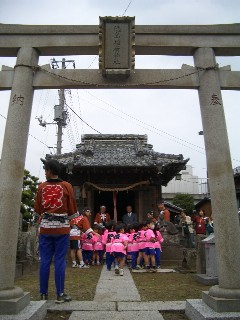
(121, 272)
(74, 265)
(84, 266)
(116, 271)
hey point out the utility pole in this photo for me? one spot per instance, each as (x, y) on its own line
(60, 110)
(60, 114)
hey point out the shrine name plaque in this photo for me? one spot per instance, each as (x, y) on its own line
(116, 50)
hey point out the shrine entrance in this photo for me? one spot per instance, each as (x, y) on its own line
(124, 198)
(103, 198)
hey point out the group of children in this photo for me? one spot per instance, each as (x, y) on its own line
(141, 243)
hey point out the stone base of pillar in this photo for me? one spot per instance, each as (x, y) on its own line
(198, 310)
(34, 310)
(207, 280)
(221, 304)
(14, 305)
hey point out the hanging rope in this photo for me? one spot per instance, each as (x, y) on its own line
(141, 183)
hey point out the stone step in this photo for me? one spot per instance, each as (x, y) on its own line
(116, 315)
(174, 306)
(81, 306)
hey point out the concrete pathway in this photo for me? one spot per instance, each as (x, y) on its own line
(112, 287)
(117, 298)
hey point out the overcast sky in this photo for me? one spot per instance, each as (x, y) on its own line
(170, 118)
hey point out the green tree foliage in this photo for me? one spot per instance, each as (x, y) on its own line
(185, 201)
(30, 184)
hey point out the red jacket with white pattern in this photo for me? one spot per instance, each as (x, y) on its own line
(55, 199)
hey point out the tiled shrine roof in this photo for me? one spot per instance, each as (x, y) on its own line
(117, 150)
(124, 151)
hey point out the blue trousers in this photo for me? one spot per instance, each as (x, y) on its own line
(134, 256)
(109, 260)
(158, 256)
(53, 246)
(87, 256)
(100, 253)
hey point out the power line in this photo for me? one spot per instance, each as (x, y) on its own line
(198, 70)
(138, 120)
(39, 140)
(43, 151)
(80, 111)
(2, 116)
(158, 133)
(173, 137)
(127, 7)
(92, 61)
(30, 134)
(82, 119)
(75, 125)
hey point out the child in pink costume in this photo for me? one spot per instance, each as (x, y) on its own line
(107, 241)
(87, 247)
(132, 247)
(118, 249)
(141, 240)
(98, 247)
(158, 247)
(150, 247)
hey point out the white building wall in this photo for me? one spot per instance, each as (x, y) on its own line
(189, 183)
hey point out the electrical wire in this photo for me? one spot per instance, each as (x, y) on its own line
(42, 110)
(127, 7)
(171, 139)
(3, 116)
(74, 116)
(140, 125)
(80, 111)
(31, 135)
(92, 62)
(43, 152)
(198, 70)
(70, 137)
(140, 121)
(83, 120)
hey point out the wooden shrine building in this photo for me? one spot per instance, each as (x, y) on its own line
(116, 170)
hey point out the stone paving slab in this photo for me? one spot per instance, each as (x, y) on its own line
(196, 309)
(36, 310)
(158, 270)
(113, 287)
(81, 306)
(115, 315)
(152, 306)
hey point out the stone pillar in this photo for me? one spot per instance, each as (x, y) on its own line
(200, 251)
(12, 168)
(223, 197)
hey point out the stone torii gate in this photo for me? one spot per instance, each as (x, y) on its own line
(27, 43)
